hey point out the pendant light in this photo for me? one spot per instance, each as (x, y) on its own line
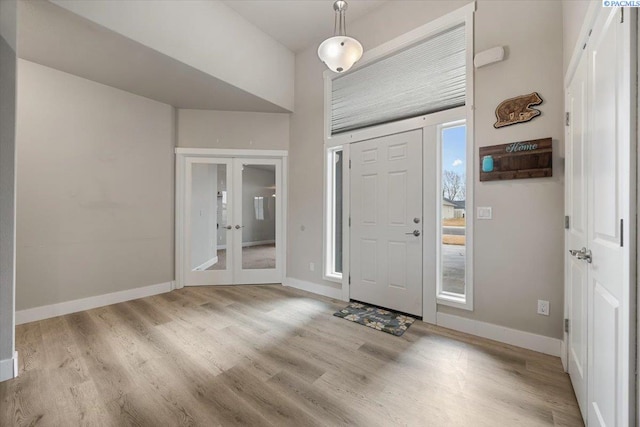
(340, 52)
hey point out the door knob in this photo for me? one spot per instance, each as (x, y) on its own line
(229, 227)
(238, 227)
(415, 233)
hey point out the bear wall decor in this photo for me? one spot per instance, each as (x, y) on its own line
(517, 110)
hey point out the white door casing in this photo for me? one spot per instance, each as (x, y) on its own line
(609, 187)
(386, 210)
(576, 234)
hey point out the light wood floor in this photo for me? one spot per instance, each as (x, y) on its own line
(268, 355)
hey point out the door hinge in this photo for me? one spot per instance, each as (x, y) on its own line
(566, 222)
(349, 221)
(566, 325)
(349, 279)
(621, 15)
(621, 233)
(349, 163)
(566, 119)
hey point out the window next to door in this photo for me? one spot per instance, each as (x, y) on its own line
(333, 214)
(455, 216)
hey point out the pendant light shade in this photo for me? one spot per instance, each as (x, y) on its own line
(340, 52)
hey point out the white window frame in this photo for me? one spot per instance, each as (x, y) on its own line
(425, 122)
(328, 271)
(443, 297)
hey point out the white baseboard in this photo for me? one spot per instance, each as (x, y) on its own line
(327, 291)
(563, 355)
(540, 343)
(256, 243)
(207, 264)
(9, 368)
(67, 307)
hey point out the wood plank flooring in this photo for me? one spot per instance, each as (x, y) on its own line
(274, 356)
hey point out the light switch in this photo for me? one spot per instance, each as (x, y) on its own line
(484, 213)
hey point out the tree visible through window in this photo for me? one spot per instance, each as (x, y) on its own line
(453, 210)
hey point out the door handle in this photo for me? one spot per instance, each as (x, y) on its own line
(238, 227)
(229, 227)
(415, 233)
(582, 254)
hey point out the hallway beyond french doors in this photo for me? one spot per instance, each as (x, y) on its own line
(232, 221)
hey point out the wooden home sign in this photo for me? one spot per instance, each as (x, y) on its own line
(518, 160)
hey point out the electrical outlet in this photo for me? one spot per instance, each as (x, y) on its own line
(312, 267)
(543, 307)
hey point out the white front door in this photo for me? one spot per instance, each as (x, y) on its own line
(233, 217)
(386, 222)
(610, 185)
(576, 236)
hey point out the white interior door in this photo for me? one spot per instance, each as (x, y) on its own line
(208, 221)
(576, 236)
(386, 222)
(232, 221)
(609, 186)
(257, 232)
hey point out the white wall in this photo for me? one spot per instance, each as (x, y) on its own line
(518, 255)
(207, 35)
(204, 206)
(228, 129)
(7, 185)
(95, 188)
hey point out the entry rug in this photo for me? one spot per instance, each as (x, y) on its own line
(387, 321)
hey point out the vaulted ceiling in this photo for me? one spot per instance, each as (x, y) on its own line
(298, 24)
(201, 54)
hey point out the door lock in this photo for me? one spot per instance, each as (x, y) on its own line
(415, 233)
(582, 254)
(416, 220)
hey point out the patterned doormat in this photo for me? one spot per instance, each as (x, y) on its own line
(387, 321)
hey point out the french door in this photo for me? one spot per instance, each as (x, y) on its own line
(232, 221)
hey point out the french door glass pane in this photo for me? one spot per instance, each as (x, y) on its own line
(208, 217)
(453, 209)
(258, 217)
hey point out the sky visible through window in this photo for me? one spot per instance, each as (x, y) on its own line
(454, 149)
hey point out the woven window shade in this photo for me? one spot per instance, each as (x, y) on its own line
(427, 77)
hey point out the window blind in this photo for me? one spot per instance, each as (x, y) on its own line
(424, 78)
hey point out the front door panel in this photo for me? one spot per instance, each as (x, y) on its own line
(386, 211)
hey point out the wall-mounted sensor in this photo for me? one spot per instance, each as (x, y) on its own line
(489, 56)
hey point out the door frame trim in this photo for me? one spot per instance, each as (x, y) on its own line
(429, 290)
(182, 154)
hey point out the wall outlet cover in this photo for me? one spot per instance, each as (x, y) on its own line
(543, 307)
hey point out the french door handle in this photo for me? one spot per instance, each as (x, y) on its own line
(238, 227)
(415, 233)
(229, 227)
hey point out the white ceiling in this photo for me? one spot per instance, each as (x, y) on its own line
(54, 37)
(297, 24)
(57, 38)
